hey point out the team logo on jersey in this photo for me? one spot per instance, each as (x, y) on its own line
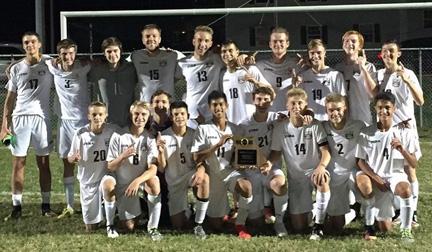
(349, 135)
(330, 134)
(208, 64)
(307, 81)
(162, 63)
(41, 72)
(212, 137)
(143, 62)
(374, 141)
(270, 126)
(241, 80)
(107, 142)
(226, 80)
(288, 135)
(268, 69)
(325, 82)
(23, 74)
(396, 82)
(252, 130)
(308, 134)
(88, 143)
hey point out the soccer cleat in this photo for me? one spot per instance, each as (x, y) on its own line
(111, 232)
(243, 232)
(46, 210)
(15, 214)
(199, 232)
(280, 229)
(155, 235)
(369, 233)
(67, 212)
(317, 232)
(406, 235)
(269, 218)
(415, 222)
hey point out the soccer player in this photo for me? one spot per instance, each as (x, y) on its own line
(213, 144)
(382, 152)
(26, 115)
(201, 71)
(156, 69)
(133, 161)
(70, 79)
(181, 172)
(160, 118)
(358, 75)
(238, 83)
(260, 125)
(89, 150)
(115, 81)
(342, 134)
(320, 80)
(306, 154)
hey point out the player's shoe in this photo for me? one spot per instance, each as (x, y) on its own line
(112, 232)
(415, 222)
(15, 214)
(280, 229)
(199, 232)
(67, 212)
(46, 210)
(242, 232)
(317, 232)
(369, 234)
(269, 218)
(155, 235)
(406, 235)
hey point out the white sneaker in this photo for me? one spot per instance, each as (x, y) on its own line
(280, 229)
(155, 235)
(111, 232)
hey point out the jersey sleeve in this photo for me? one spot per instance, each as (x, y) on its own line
(114, 147)
(361, 145)
(199, 142)
(321, 136)
(11, 84)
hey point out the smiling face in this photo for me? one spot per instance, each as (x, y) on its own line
(139, 116)
(97, 116)
(179, 117)
(296, 105)
(317, 56)
(31, 44)
(151, 39)
(229, 53)
(278, 43)
(351, 44)
(202, 41)
(385, 110)
(336, 112)
(67, 56)
(390, 54)
(218, 107)
(160, 103)
(112, 54)
(262, 102)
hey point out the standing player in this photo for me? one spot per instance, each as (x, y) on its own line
(181, 172)
(133, 162)
(26, 115)
(213, 145)
(201, 71)
(160, 119)
(89, 151)
(358, 76)
(156, 68)
(70, 79)
(306, 154)
(320, 80)
(382, 152)
(115, 80)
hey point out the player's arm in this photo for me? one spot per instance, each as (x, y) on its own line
(199, 174)
(114, 164)
(415, 90)
(133, 187)
(161, 158)
(201, 156)
(409, 157)
(7, 113)
(74, 152)
(370, 84)
(319, 174)
(376, 179)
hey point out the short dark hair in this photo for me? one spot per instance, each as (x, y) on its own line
(230, 42)
(263, 90)
(111, 41)
(385, 96)
(178, 104)
(214, 95)
(152, 26)
(392, 41)
(31, 33)
(97, 104)
(66, 44)
(160, 92)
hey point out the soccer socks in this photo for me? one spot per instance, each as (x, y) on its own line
(322, 200)
(17, 199)
(280, 206)
(110, 209)
(69, 191)
(46, 197)
(406, 212)
(201, 210)
(154, 206)
(369, 211)
(415, 194)
(243, 209)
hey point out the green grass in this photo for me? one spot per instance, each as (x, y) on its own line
(35, 233)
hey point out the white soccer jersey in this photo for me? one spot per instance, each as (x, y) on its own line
(318, 86)
(279, 76)
(261, 131)
(155, 72)
(342, 144)
(299, 146)
(404, 99)
(358, 97)
(72, 90)
(32, 85)
(93, 149)
(178, 154)
(135, 165)
(374, 147)
(202, 77)
(239, 92)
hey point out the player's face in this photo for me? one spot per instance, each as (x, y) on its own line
(139, 116)
(229, 53)
(384, 110)
(160, 103)
(262, 102)
(390, 54)
(97, 116)
(67, 56)
(351, 44)
(218, 107)
(31, 44)
(317, 56)
(202, 41)
(296, 105)
(112, 54)
(336, 111)
(278, 43)
(179, 117)
(151, 39)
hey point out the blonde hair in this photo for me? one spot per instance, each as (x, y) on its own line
(359, 36)
(140, 104)
(315, 43)
(203, 28)
(280, 30)
(297, 92)
(335, 97)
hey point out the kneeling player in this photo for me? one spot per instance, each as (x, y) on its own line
(382, 152)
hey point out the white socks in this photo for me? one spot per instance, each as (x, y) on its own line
(243, 209)
(280, 206)
(201, 210)
(17, 199)
(369, 211)
(322, 200)
(69, 191)
(110, 209)
(154, 206)
(406, 212)
(415, 194)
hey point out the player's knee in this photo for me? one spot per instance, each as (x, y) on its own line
(403, 190)
(277, 184)
(244, 187)
(153, 186)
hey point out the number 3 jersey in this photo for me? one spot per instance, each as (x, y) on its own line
(93, 149)
(135, 165)
(32, 85)
(375, 148)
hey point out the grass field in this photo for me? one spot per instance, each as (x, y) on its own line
(36, 233)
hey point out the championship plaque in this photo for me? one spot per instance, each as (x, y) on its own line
(247, 154)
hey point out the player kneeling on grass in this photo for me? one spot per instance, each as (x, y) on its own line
(306, 154)
(132, 162)
(89, 151)
(382, 152)
(342, 136)
(181, 172)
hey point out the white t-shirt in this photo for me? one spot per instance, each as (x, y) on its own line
(32, 85)
(318, 86)
(72, 90)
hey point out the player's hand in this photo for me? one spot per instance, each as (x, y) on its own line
(266, 167)
(307, 119)
(5, 130)
(282, 117)
(361, 60)
(404, 124)
(381, 184)
(400, 71)
(160, 143)
(223, 139)
(76, 157)
(132, 189)
(128, 152)
(198, 177)
(396, 143)
(320, 176)
(303, 61)
(296, 79)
